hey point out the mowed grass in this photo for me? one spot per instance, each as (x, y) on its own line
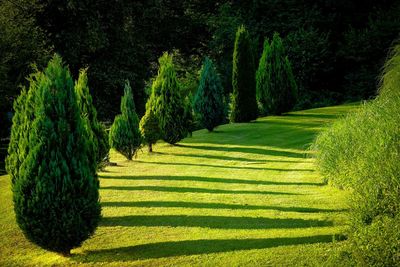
(246, 194)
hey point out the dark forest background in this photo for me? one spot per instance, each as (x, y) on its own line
(336, 47)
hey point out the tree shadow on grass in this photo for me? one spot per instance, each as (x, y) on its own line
(223, 166)
(194, 190)
(199, 205)
(314, 115)
(251, 150)
(211, 180)
(228, 158)
(194, 247)
(215, 222)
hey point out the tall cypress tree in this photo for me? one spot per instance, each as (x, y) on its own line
(209, 99)
(89, 113)
(55, 190)
(167, 103)
(124, 135)
(276, 87)
(244, 104)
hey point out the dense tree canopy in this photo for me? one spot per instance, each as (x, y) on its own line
(335, 47)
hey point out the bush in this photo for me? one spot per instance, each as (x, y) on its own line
(209, 100)
(276, 87)
(244, 105)
(124, 133)
(89, 113)
(55, 187)
(149, 129)
(362, 152)
(167, 103)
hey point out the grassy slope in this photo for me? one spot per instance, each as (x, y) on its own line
(244, 195)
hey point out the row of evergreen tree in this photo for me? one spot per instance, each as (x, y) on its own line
(269, 90)
(57, 143)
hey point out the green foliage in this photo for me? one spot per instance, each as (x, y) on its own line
(22, 44)
(361, 152)
(276, 87)
(244, 105)
(223, 26)
(167, 102)
(364, 51)
(310, 54)
(124, 134)
(209, 100)
(89, 114)
(54, 183)
(149, 129)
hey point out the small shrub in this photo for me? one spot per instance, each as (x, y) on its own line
(209, 100)
(124, 133)
(149, 129)
(243, 101)
(276, 87)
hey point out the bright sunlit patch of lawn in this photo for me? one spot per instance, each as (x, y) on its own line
(246, 194)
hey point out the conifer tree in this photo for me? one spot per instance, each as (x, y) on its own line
(243, 102)
(167, 103)
(88, 112)
(22, 119)
(276, 87)
(149, 129)
(54, 184)
(124, 134)
(209, 100)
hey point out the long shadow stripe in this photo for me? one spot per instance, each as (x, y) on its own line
(218, 222)
(193, 190)
(211, 180)
(225, 166)
(200, 205)
(194, 247)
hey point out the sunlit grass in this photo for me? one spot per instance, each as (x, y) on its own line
(247, 194)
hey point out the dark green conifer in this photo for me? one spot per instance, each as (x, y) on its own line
(55, 187)
(124, 133)
(24, 110)
(89, 113)
(244, 104)
(209, 100)
(167, 103)
(276, 87)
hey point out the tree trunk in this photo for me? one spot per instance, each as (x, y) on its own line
(150, 147)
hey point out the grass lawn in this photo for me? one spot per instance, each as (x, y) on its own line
(247, 194)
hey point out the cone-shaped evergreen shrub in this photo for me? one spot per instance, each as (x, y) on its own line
(209, 100)
(89, 113)
(23, 116)
(244, 104)
(149, 129)
(124, 133)
(167, 102)
(276, 87)
(55, 189)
